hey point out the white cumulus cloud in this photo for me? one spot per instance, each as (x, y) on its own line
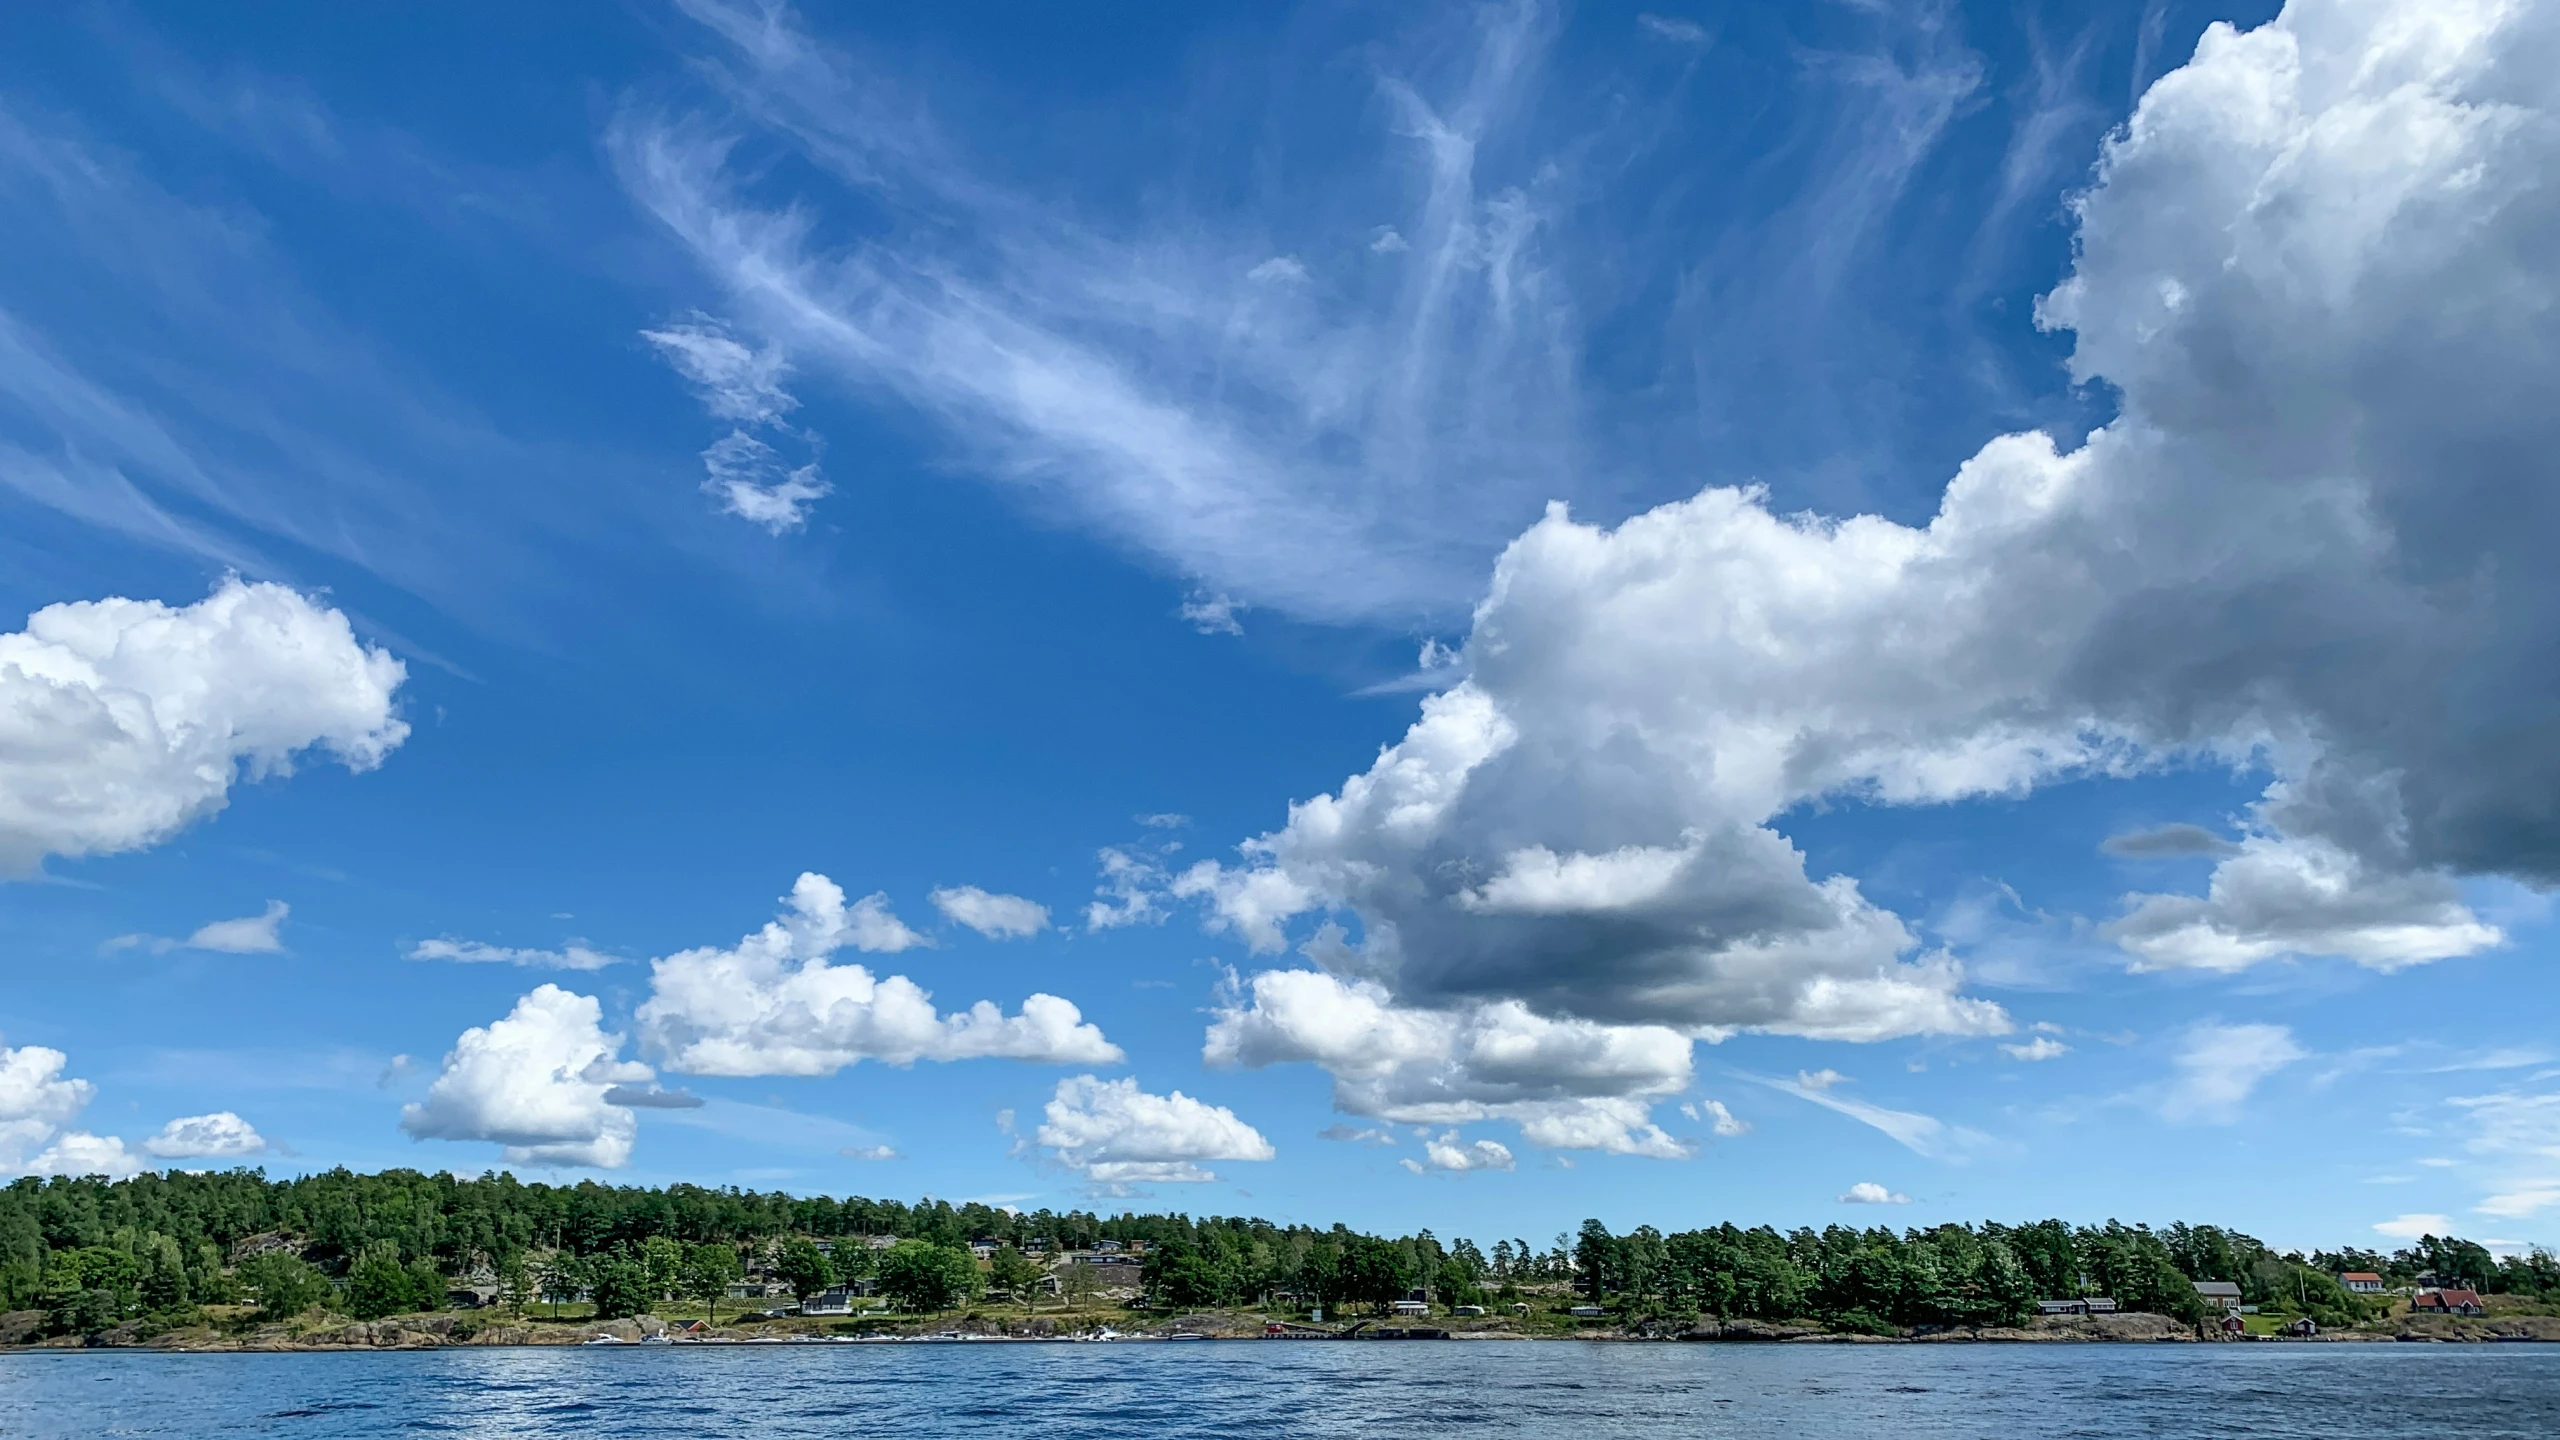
(1868, 1192)
(535, 1082)
(124, 721)
(36, 1100)
(1571, 1084)
(218, 1136)
(1448, 1152)
(1117, 1135)
(998, 917)
(773, 1004)
(2329, 216)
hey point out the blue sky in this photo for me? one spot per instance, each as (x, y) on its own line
(594, 470)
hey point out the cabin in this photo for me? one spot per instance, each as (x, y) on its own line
(2085, 1305)
(1412, 1308)
(2219, 1295)
(2361, 1282)
(2448, 1302)
(834, 1300)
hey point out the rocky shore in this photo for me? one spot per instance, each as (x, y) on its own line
(19, 1330)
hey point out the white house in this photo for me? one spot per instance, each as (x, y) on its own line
(2361, 1282)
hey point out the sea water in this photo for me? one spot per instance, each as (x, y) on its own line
(1585, 1391)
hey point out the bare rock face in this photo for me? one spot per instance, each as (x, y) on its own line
(17, 1327)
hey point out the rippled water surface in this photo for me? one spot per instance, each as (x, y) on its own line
(1586, 1391)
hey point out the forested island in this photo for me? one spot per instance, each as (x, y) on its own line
(237, 1257)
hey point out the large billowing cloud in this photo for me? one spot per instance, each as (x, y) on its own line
(1569, 1084)
(536, 1082)
(1117, 1135)
(124, 721)
(773, 1004)
(2318, 268)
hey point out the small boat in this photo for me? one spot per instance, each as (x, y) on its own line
(604, 1340)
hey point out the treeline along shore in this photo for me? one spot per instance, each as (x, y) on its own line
(237, 1260)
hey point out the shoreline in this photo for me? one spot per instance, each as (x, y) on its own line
(445, 1332)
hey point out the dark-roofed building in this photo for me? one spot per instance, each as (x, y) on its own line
(2448, 1302)
(2219, 1295)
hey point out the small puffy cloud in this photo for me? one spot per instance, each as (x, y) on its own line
(2167, 840)
(1115, 1134)
(1713, 1114)
(870, 1152)
(1449, 1153)
(1132, 889)
(773, 1004)
(1568, 1084)
(1357, 1134)
(535, 1082)
(124, 721)
(36, 1100)
(218, 1136)
(2218, 1067)
(1211, 614)
(1822, 1079)
(2042, 1047)
(998, 917)
(1387, 240)
(1868, 1192)
(650, 1097)
(1278, 270)
(1672, 29)
(255, 935)
(78, 1152)
(572, 956)
(2410, 1227)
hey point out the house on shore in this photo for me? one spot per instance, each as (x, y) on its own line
(2361, 1282)
(2448, 1302)
(2085, 1305)
(2219, 1295)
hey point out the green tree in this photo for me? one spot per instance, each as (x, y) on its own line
(804, 1267)
(1017, 1275)
(1374, 1271)
(708, 1270)
(515, 1282)
(379, 1285)
(919, 1276)
(283, 1283)
(561, 1278)
(1595, 1257)
(621, 1284)
(662, 1260)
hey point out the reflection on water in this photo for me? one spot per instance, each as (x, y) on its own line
(1583, 1391)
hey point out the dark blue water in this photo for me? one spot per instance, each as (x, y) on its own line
(1584, 1391)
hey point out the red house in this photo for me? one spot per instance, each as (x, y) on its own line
(2448, 1302)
